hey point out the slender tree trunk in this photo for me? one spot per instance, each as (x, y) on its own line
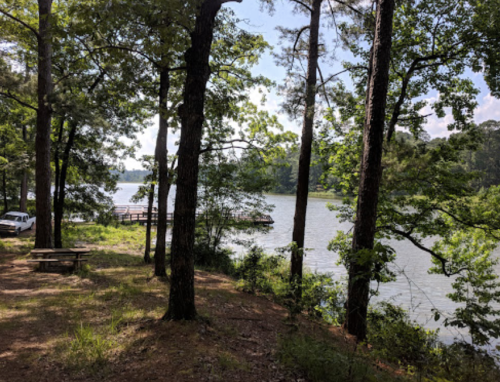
(162, 160)
(59, 208)
(23, 197)
(57, 164)
(366, 217)
(299, 223)
(151, 198)
(43, 128)
(4, 186)
(181, 301)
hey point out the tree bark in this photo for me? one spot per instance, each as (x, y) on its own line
(23, 197)
(4, 185)
(299, 223)
(59, 206)
(371, 167)
(163, 179)
(43, 128)
(151, 198)
(181, 301)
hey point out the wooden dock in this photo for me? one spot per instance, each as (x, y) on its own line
(142, 217)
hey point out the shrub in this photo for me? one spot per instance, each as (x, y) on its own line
(321, 361)
(321, 296)
(107, 218)
(219, 260)
(462, 362)
(260, 272)
(396, 338)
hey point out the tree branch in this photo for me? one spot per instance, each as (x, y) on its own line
(345, 5)
(9, 95)
(303, 4)
(425, 249)
(20, 22)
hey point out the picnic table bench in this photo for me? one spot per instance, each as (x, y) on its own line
(46, 256)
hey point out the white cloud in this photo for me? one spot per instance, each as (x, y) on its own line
(147, 140)
(436, 127)
(488, 109)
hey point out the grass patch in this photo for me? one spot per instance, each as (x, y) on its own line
(87, 350)
(229, 362)
(323, 362)
(129, 236)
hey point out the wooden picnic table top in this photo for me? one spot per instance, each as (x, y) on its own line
(59, 250)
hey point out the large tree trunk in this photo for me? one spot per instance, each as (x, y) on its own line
(181, 302)
(23, 197)
(59, 206)
(151, 198)
(371, 171)
(163, 178)
(43, 128)
(299, 223)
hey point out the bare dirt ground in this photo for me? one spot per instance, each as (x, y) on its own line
(46, 318)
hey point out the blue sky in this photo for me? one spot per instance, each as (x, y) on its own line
(257, 21)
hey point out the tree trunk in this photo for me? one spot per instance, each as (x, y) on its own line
(151, 198)
(371, 165)
(43, 128)
(57, 166)
(23, 197)
(163, 179)
(59, 207)
(181, 301)
(4, 186)
(299, 223)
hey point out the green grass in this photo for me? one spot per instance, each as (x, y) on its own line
(87, 350)
(129, 236)
(324, 362)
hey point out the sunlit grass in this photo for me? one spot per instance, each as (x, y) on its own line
(128, 236)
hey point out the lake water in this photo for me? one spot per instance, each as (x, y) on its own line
(414, 289)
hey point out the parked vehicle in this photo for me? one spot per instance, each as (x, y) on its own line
(15, 222)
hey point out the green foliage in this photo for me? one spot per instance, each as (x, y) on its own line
(397, 339)
(260, 272)
(462, 362)
(284, 172)
(219, 260)
(123, 235)
(469, 254)
(322, 297)
(321, 361)
(393, 337)
(133, 176)
(107, 218)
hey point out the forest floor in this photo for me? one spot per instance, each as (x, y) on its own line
(104, 323)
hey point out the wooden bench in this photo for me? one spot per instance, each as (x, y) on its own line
(46, 256)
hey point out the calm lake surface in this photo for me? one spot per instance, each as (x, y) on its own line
(414, 289)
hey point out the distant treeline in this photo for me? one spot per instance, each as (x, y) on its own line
(483, 160)
(133, 176)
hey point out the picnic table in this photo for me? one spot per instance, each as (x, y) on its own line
(46, 256)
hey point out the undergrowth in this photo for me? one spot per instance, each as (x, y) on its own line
(321, 361)
(130, 236)
(392, 336)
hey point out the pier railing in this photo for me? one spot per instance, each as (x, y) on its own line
(142, 217)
